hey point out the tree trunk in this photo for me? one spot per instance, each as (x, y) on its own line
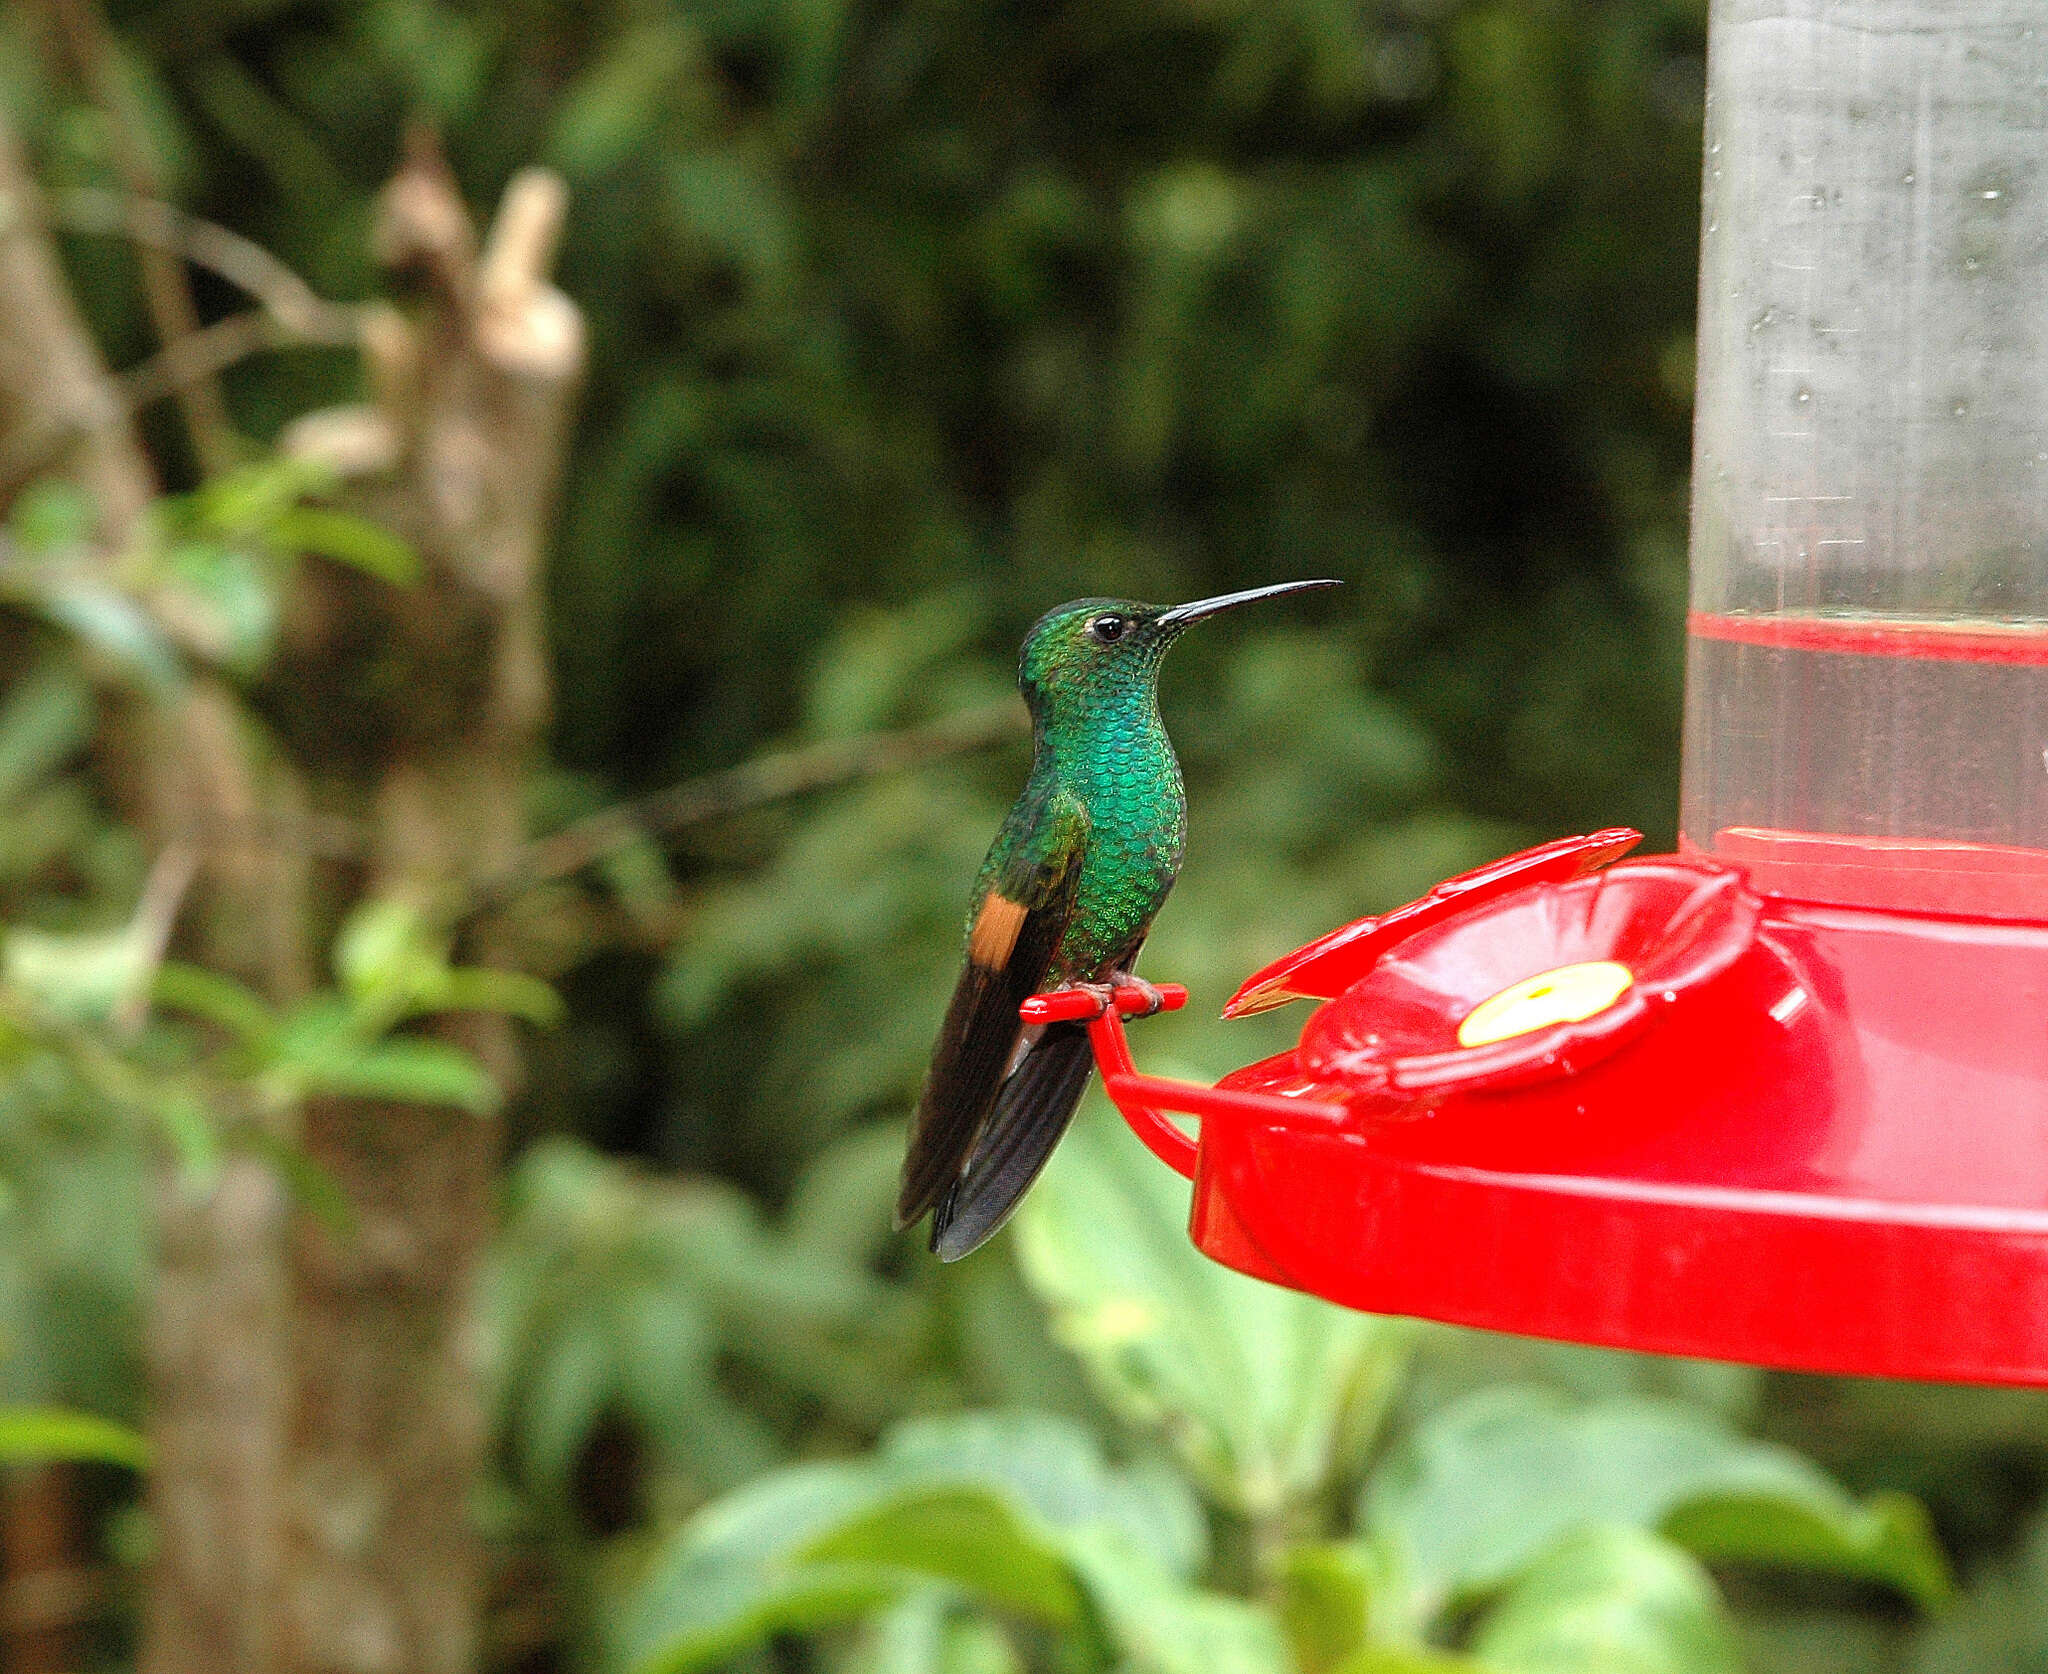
(48, 1591)
(388, 1435)
(217, 1331)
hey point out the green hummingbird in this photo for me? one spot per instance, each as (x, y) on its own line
(1064, 899)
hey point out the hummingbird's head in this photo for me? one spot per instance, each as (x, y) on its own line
(1092, 650)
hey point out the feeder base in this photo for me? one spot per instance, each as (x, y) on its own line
(1839, 1164)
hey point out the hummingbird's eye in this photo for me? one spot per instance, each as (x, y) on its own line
(1109, 629)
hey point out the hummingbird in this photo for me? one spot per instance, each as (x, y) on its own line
(1064, 900)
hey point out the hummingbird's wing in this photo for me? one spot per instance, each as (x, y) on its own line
(1009, 951)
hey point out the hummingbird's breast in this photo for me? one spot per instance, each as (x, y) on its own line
(1128, 778)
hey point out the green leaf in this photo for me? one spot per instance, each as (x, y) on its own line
(51, 516)
(727, 1580)
(193, 1133)
(669, 1383)
(1054, 1469)
(253, 499)
(321, 1048)
(382, 953)
(392, 964)
(1610, 1600)
(606, 113)
(926, 1632)
(215, 999)
(409, 1070)
(967, 1536)
(312, 1186)
(1164, 1626)
(505, 993)
(1411, 1659)
(1325, 1597)
(565, 1395)
(113, 624)
(350, 540)
(2000, 1626)
(1887, 1538)
(82, 977)
(228, 602)
(46, 718)
(31, 1434)
(1491, 1480)
(320, 1027)
(1267, 1393)
(838, 1211)
(997, 1505)
(880, 662)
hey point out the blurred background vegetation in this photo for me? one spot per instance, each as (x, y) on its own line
(905, 319)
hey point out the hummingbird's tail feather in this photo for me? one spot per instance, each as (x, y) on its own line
(967, 1073)
(1031, 1113)
(1017, 924)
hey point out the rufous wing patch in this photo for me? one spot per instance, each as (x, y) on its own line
(995, 932)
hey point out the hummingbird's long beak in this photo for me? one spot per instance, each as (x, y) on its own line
(1182, 616)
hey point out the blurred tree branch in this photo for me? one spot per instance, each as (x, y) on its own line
(55, 397)
(752, 784)
(290, 313)
(244, 263)
(163, 275)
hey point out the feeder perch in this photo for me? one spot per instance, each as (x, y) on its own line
(1781, 1097)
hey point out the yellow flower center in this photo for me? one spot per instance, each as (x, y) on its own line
(1569, 994)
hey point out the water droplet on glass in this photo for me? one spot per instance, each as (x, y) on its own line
(1971, 264)
(1908, 178)
(1989, 193)
(1803, 397)
(1960, 408)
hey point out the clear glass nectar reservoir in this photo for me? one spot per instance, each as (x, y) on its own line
(1867, 693)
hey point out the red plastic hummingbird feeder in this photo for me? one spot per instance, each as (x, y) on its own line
(1781, 1097)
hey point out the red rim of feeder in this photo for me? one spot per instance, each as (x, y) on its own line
(1799, 1134)
(1327, 966)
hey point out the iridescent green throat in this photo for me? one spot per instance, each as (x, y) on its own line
(1111, 751)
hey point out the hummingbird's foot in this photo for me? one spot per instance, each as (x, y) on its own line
(1102, 993)
(1155, 1002)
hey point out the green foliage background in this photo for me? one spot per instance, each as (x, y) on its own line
(910, 318)
(910, 321)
